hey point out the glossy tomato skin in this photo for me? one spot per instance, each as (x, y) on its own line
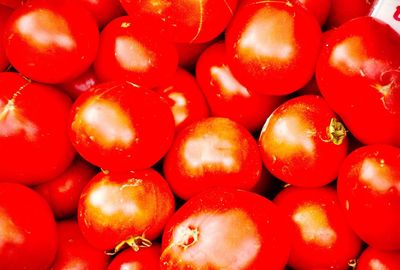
(368, 188)
(5, 12)
(33, 131)
(375, 259)
(226, 96)
(127, 206)
(322, 237)
(59, 39)
(74, 252)
(121, 126)
(144, 259)
(188, 21)
(75, 87)
(361, 81)
(342, 11)
(62, 193)
(226, 228)
(266, 44)
(185, 98)
(212, 152)
(135, 51)
(296, 146)
(28, 238)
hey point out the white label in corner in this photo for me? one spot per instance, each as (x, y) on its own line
(387, 11)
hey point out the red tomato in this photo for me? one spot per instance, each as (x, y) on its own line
(75, 87)
(342, 11)
(226, 228)
(375, 259)
(188, 21)
(369, 190)
(360, 80)
(145, 258)
(12, 3)
(188, 53)
(58, 38)
(128, 208)
(303, 143)
(34, 140)
(268, 48)
(322, 238)
(62, 193)
(5, 12)
(226, 96)
(121, 126)
(212, 152)
(185, 98)
(28, 237)
(74, 252)
(133, 51)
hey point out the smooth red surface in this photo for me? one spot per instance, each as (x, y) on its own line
(144, 259)
(375, 259)
(342, 11)
(75, 87)
(5, 12)
(103, 10)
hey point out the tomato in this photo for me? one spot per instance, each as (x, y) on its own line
(145, 258)
(226, 228)
(189, 21)
(342, 11)
(59, 39)
(303, 143)
(62, 193)
(212, 152)
(121, 126)
(375, 259)
(28, 237)
(185, 98)
(74, 252)
(75, 87)
(322, 237)
(369, 190)
(33, 131)
(188, 53)
(360, 80)
(12, 3)
(226, 96)
(124, 209)
(5, 12)
(269, 51)
(132, 50)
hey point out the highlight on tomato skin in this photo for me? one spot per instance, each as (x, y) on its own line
(372, 258)
(226, 228)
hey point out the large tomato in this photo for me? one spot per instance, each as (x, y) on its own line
(51, 41)
(358, 74)
(28, 236)
(34, 139)
(303, 143)
(226, 229)
(124, 209)
(212, 152)
(322, 237)
(369, 190)
(121, 126)
(268, 48)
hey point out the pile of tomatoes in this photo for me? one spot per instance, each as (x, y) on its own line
(208, 134)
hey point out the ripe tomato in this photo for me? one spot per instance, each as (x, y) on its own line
(226, 228)
(185, 98)
(303, 143)
(375, 259)
(121, 126)
(127, 208)
(132, 50)
(5, 12)
(212, 152)
(322, 238)
(34, 139)
(58, 38)
(188, 53)
(369, 190)
(62, 193)
(342, 11)
(145, 258)
(75, 87)
(269, 50)
(226, 96)
(361, 81)
(188, 21)
(74, 252)
(28, 237)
